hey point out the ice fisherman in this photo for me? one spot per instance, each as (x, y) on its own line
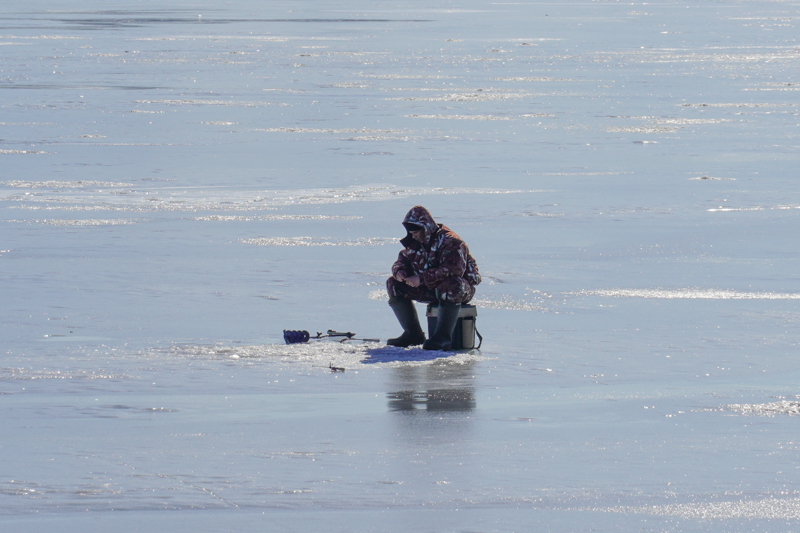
(435, 266)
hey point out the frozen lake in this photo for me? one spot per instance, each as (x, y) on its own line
(179, 184)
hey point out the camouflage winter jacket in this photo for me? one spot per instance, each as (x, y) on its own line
(444, 254)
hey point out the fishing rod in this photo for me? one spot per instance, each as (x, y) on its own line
(302, 336)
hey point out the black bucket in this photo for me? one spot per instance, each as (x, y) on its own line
(464, 334)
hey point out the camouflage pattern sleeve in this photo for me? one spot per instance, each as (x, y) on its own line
(472, 274)
(402, 263)
(452, 261)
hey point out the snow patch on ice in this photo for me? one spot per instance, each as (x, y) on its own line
(349, 85)
(783, 407)
(742, 104)
(766, 509)
(773, 89)
(481, 95)
(731, 209)
(379, 295)
(642, 129)
(330, 130)
(722, 209)
(317, 241)
(390, 138)
(62, 184)
(175, 199)
(705, 294)
(86, 222)
(328, 355)
(42, 37)
(545, 215)
(505, 302)
(534, 79)
(460, 117)
(508, 303)
(198, 102)
(405, 76)
(578, 173)
(27, 374)
(686, 121)
(10, 152)
(240, 218)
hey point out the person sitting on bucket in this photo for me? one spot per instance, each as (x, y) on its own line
(435, 266)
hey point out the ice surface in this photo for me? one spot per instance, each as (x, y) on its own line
(181, 182)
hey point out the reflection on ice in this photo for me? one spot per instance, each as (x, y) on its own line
(440, 387)
(434, 400)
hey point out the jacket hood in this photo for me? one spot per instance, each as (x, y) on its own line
(419, 216)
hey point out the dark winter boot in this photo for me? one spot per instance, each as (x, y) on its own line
(445, 324)
(406, 314)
